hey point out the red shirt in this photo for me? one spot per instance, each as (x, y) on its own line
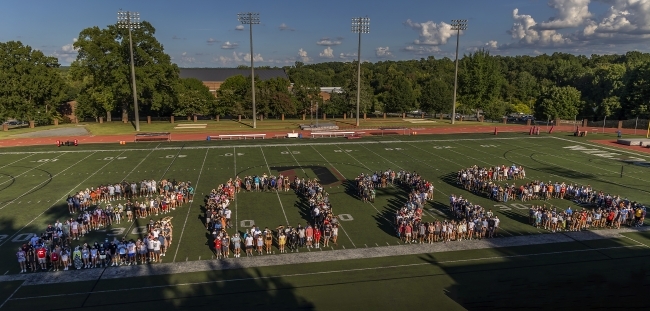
(316, 234)
(41, 253)
(217, 243)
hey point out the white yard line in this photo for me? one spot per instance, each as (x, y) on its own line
(30, 190)
(145, 157)
(257, 278)
(63, 197)
(294, 158)
(196, 187)
(1, 167)
(276, 191)
(11, 296)
(330, 164)
(27, 171)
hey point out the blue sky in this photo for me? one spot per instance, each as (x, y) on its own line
(201, 33)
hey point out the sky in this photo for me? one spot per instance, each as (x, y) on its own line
(202, 33)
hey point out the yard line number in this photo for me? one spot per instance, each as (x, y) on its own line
(505, 207)
(287, 152)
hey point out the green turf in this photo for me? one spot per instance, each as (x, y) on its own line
(33, 186)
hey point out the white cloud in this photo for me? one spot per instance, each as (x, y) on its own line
(239, 27)
(526, 33)
(223, 60)
(67, 53)
(187, 59)
(328, 42)
(302, 54)
(241, 57)
(212, 41)
(346, 56)
(421, 50)
(327, 53)
(492, 44)
(570, 13)
(229, 46)
(628, 17)
(383, 52)
(284, 26)
(431, 33)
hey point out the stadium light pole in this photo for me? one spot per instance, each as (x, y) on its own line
(359, 25)
(458, 25)
(251, 18)
(131, 20)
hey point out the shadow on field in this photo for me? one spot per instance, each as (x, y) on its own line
(568, 279)
(224, 283)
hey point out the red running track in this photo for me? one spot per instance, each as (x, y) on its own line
(13, 142)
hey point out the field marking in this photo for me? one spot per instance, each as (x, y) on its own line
(12, 295)
(27, 171)
(333, 272)
(294, 158)
(145, 157)
(30, 190)
(63, 197)
(279, 145)
(642, 155)
(631, 239)
(1, 167)
(330, 164)
(567, 168)
(178, 244)
(276, 191)
(569, 159)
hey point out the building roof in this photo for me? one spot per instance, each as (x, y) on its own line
(221, 74)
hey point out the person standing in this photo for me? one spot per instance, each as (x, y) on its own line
(22, 258)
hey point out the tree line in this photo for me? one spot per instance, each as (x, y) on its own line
(559, 85)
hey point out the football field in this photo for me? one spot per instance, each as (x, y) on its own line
(35, 181)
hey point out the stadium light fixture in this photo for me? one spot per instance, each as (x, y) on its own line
(458, 25)
(251, 19)
(131, 20)
(359, 25)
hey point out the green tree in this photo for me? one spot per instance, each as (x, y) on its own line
(232, 96)
(559, 102)
(400, 96)
(104, 56)
(31, 87)
(480, 80)
(436, 96)
(194, 98)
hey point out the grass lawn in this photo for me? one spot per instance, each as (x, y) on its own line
(34, 181)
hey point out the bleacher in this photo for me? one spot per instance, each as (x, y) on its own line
(160, 136)
(334, 134)
(236, 136)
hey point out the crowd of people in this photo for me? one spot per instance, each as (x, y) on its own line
(599, 209)
(321, 230)
(98, 209)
